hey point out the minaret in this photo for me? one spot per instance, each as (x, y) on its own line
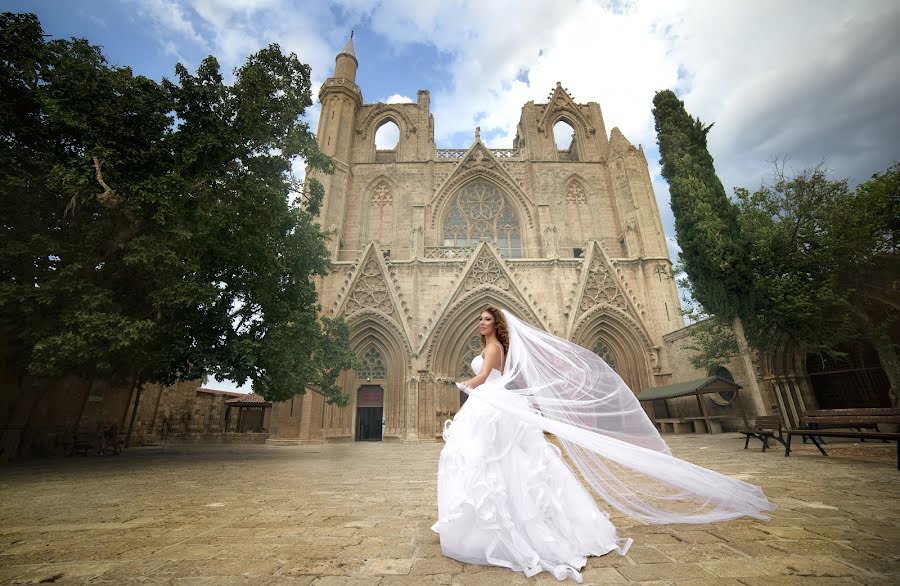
(341, 100)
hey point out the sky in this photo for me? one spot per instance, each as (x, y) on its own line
(806, 81)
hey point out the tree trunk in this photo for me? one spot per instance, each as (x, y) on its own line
(26, 429)
(137, 402)
(756, 393)
(887, 353)
(890, 362)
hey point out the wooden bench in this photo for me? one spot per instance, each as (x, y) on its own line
(84, 443)
(763, 428)
(821, 423)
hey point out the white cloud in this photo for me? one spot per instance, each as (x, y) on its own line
(397, 99)
(170, 18)
(227, 385)
(804, 79)
(387, 136)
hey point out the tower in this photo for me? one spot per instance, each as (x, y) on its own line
(341, 100)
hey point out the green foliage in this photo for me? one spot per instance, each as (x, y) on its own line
(791, 244)
(713, 253)
(147, 229)
(804, 258)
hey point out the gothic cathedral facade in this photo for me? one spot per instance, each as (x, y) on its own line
(424, 237)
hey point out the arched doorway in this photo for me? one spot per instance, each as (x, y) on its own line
(369, 413)
(851, 380)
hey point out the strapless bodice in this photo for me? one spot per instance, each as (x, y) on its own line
(478, 362)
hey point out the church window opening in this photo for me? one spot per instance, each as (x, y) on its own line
(722, 397)
(480, 213)
(603, 351)
(387, 137)
(563, 135)
(472, 349)
(372, 365)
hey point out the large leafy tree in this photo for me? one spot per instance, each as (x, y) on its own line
(804, 257)
(152, 232)
(826, 260)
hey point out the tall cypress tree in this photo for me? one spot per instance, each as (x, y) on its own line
(712, 250)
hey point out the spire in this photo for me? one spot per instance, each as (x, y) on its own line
(345, 63)
(348, 48)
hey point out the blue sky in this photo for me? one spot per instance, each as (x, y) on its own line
(806, 80)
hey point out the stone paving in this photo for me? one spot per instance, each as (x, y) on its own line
(360, 514)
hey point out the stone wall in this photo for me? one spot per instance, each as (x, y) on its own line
(39, 418)
(679, 354)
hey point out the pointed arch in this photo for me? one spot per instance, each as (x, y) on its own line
(562, 105)
(479, 163)
(576, 189)
(449, 339)
(635, 355)
(382, 190)
(481, 211)
(378, 114)
(371, 329)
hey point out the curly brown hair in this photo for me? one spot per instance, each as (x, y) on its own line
(501, 329)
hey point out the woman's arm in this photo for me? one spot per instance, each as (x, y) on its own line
(491, 361)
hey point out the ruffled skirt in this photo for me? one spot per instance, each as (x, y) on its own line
(507, 498)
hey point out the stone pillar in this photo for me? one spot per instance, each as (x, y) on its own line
(412, 411)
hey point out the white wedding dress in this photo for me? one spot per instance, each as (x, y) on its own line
(507, 498)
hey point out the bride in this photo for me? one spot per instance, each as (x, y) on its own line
(507, 498)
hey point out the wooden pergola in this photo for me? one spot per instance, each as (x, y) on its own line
(701, 386)
(250, 401)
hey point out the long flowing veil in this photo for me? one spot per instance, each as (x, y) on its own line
(577, 397)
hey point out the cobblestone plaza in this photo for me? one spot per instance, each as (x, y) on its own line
(360, 514)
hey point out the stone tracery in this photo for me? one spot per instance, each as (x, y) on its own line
(601, 288)
(486, 271)
(575, 192)
(382, 195)
(481, 213)
(472, 349)
(370, 290)
(373, 366)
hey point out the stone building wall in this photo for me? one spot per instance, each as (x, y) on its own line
(40, 417)
(677, 347)
(575, 246)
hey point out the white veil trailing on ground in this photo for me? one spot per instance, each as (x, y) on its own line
(577, 397)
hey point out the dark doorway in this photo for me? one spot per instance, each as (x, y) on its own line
(853, 380)
(369, 413)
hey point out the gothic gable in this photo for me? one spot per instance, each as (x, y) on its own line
(485, 275)
(561, 103)
(603, 291)
(600, 284)
(369, 288)
(480, 162)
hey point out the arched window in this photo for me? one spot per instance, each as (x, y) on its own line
(473, 349)
(563, 135)
(372, 365)
(387, 137)
(481, 213)
(723, 397)
(603, 351)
